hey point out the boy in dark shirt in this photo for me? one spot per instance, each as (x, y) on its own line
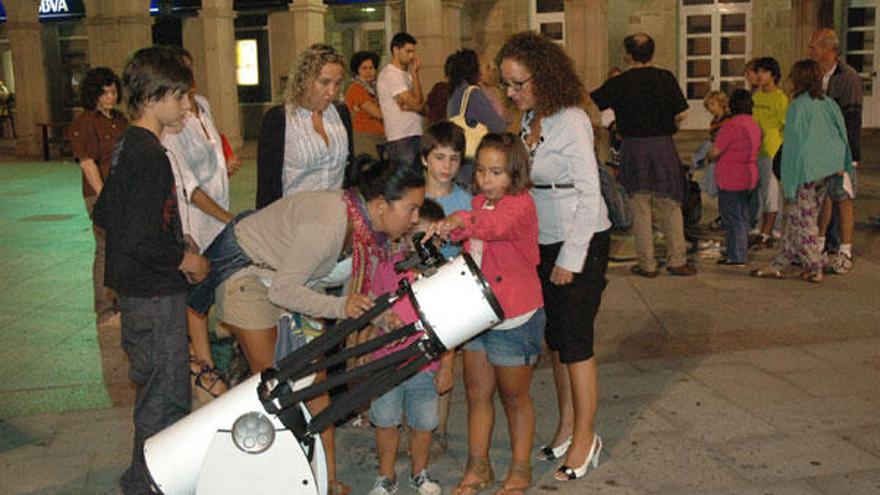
(147, 263)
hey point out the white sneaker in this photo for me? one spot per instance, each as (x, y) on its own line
(425, 485)
(841, 264)
(383, 486)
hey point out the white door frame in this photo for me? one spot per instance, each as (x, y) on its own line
(698, 117)
(871, 102)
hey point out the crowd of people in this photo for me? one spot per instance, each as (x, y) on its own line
(343, 186)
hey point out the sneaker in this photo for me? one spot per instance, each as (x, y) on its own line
(384, 486)
(425, 485)
(841, 264)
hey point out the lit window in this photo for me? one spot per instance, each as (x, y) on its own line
(247, 71)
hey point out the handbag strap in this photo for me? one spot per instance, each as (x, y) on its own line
(464, 101)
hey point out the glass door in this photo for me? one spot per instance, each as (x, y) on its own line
(860, 47)
(716, 43)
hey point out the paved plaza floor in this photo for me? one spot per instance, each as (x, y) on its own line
(715, 384)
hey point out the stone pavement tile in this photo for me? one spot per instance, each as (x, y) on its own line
(791, 487)
(867, 437)
(624, 385)
(620, 418)
(683, 364)
(837, 380)
(103, 481)
(607, 479)
(746, 385)
(857, 483)
(786, 457)
(668, 461)
(702, 415)
(847, 353)
(627, 324)
(781, 359)
(819, 414)
(54, 399)
(44, 475)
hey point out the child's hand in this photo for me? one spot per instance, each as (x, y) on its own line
(443, 379)
(443, 228)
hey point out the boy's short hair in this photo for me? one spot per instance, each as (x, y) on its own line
(443, 133)
(431, 211)
(401, 39)
(771, 65)
(153, 73)
(517, 160)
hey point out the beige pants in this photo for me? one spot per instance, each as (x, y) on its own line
(671, 224)
(105, 299)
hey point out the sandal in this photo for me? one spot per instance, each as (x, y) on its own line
(207, 378)
(480, 468)
(767, 272)
(521, 470)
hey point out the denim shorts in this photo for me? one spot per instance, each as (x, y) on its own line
(835, 187)
(418, 396)
(517, 346)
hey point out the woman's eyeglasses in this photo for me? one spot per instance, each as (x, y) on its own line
(516, 86)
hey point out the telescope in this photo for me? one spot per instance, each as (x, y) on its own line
(260, 436)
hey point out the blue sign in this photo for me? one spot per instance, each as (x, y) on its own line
(2, 13)
(174, 6)
(59, 10)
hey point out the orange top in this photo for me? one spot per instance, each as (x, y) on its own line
(361, 121)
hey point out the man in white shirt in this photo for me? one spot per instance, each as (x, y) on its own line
(401, 100)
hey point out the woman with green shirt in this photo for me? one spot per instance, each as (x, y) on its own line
(770, 106)
(815, 150)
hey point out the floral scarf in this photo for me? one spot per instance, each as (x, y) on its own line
(369, 247)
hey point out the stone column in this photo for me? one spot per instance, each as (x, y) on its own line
(804, 22)
(116, 30)
(291, 32)
(452, 26)
(32, 85)
(586, 39)
(210, 38)
(421, 22)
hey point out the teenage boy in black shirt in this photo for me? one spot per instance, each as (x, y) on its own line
(147, 262)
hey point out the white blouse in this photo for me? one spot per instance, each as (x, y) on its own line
(564, 155)
(310, 164)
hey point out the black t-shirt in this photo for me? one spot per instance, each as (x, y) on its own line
(645, 101)
(138, 210)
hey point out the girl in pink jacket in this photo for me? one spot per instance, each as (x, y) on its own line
(501, 234)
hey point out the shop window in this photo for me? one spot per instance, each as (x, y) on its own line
(548, 18)
(252, 59)
(73, 50)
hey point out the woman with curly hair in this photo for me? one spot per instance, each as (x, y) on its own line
(363, 103)
(541, 81)
(305, 143)
(92, 136)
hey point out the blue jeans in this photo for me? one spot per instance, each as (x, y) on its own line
(518, 346)
(734, 209)
(226, 258)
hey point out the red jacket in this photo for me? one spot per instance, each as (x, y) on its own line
(510, 249)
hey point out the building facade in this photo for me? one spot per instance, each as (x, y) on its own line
(243, 49)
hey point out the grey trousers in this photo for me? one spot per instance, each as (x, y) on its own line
(154, 335)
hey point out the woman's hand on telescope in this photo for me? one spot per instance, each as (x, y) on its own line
(356, 304)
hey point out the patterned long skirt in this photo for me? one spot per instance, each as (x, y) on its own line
(801, 235)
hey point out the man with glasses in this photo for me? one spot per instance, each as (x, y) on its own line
(649, 106)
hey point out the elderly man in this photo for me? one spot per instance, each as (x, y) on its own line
(649, 106)
(842, 83)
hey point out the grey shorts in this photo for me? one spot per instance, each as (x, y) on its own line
(836, 190)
